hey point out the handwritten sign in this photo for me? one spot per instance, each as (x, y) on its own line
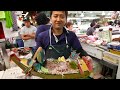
(106, 35)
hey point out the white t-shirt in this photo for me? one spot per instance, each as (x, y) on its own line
(25, 30)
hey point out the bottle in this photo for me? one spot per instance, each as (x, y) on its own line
(110, 34)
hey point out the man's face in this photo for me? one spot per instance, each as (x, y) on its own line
(27, 23)
(58, 19)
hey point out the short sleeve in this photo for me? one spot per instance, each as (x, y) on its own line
(35, 29)
(22, 31)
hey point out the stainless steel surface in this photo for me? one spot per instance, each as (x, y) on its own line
(5, 56)
(2, 40)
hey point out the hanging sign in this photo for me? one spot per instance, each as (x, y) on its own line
(2, 14)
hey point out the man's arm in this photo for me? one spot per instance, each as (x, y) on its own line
(82, 52)
(25, 37)
(77, 46)
(32, 35)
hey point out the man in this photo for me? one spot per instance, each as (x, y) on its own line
(57, 41)
(43, 23)
(115, 15)
(91, 29)
(28, 33)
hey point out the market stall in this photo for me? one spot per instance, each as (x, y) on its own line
(19, 63)
(101, 47)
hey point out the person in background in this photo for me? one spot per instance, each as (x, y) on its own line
(43, 23)
(32, 15)
(97, 23)
(110, 23)
(57, 41)
(92, 28)
(19, 40)
(118, 23)
(115, 15)
(69, 26)
(28, 33)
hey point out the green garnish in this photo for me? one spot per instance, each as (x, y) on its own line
(73, 65)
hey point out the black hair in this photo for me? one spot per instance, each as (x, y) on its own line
(26, 19)
(66, 13)
(48, 19)
(95, 20)
(92, 23)
(69, 24)
(110, 23)
(98, 26)
(118, 22)
(42, 19)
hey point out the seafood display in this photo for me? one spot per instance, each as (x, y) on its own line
(61, 67)
(67, 66)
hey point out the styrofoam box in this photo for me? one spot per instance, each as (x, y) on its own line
(111, 57)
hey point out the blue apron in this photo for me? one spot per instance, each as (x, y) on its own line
(56, 51)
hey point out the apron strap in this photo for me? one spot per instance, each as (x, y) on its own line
(50, 36)
(56, 39)
(66, 39)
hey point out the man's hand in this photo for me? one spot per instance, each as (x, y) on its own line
(88, 58)
(31, 35)
(88, 61)
(27, 35)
